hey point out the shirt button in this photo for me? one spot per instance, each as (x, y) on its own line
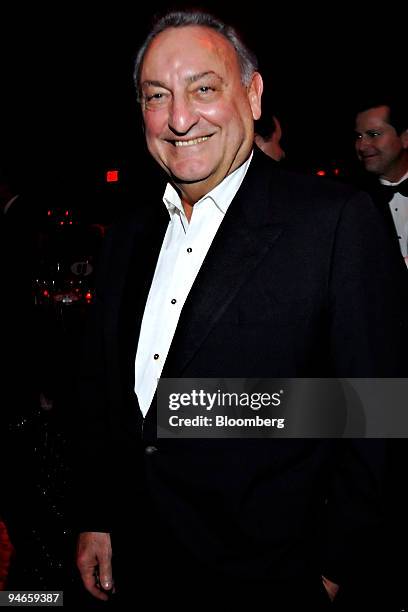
(173, 301)
(150, 450)
(189, 250)
(156, 356)
(399, 237)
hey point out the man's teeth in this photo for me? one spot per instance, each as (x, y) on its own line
(188, 143)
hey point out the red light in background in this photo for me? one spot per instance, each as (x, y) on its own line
(112, 176)
(321, 173)
(66, 213)
(45, 293)
(49, 213)
(336, 171)
(62, 222)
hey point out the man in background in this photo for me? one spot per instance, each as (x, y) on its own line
(268, 136)
(381, 129)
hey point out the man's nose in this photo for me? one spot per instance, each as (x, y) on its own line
(363, 143)
(182, 115)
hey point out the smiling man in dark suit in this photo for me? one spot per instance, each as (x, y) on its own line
(381, 129)
(250, 272)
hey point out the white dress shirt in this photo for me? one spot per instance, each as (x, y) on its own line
(183, 251)
(399, 210)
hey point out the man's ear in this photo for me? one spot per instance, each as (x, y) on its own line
(404, 139)
(255, 90)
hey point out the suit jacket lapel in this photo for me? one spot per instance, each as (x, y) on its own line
(244, 238)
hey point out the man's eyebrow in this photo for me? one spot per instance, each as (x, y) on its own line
(154, 84)
(196, 77)
(191, 79)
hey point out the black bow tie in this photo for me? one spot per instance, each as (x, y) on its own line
(389, 190)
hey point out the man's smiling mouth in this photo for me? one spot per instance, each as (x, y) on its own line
(189, 143)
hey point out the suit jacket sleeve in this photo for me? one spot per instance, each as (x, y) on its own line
(368, 336)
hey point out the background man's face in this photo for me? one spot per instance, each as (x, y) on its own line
(378, 145)
(272, 146)
(198, 115)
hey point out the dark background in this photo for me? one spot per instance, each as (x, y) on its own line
(70, 111)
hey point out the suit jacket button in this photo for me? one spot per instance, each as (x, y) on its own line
(149, 450)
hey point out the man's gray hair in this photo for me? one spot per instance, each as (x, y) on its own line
(179, 19)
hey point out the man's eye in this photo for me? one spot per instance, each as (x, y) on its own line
(374, 134)
(205, 89)
(156, 96)
(155, 100)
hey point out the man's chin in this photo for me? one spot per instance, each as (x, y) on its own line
(371, 165)
(372, 168)
(187, 180)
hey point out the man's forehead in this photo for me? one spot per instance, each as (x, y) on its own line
(378, 114)
(185, 52)
(372, 119)
(203, 38)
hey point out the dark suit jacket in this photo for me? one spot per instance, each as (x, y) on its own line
(371, 184)
(299, 282)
